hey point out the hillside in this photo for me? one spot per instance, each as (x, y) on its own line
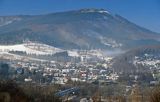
(142, 60)
(79, 29)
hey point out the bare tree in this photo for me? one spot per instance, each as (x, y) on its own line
(155, 96)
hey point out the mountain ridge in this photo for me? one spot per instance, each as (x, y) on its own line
(77, 29)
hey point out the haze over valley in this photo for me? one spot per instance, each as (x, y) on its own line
(85, 54)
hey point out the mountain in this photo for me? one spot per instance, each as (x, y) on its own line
(79, 29)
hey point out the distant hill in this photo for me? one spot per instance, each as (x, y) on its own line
(142, 59)
(79, 29)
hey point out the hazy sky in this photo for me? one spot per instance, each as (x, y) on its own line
(145, 13)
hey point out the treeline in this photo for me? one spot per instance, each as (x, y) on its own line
(59, 56)
(12, 92)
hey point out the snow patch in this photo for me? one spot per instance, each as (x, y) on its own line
(31, 48)
(8, 20)
(94, 10)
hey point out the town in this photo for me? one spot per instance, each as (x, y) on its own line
(73, 70)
